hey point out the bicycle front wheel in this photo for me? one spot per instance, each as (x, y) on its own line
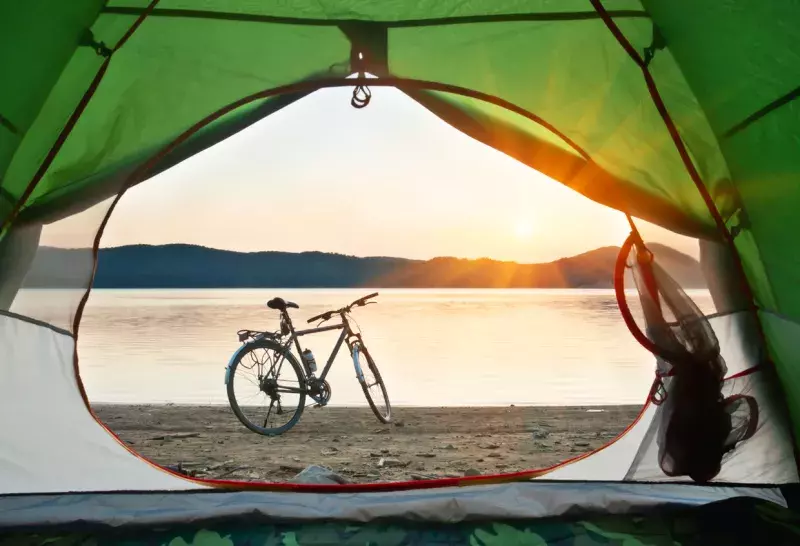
(372, 383)
(267, 388)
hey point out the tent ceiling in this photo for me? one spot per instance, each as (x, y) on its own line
(556, 60)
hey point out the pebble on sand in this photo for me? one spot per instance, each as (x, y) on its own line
(389, 462)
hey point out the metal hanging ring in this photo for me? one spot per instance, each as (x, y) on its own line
(361, 97)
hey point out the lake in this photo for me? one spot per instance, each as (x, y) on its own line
(434, 347)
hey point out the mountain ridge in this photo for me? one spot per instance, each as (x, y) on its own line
(181, 265)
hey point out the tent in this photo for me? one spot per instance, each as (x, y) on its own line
(680, 113)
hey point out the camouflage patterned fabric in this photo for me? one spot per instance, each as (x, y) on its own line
(733, 522)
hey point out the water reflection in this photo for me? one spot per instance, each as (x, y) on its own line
(434, 347)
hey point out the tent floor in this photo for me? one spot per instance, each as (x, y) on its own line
(549, 513)
(736, 521)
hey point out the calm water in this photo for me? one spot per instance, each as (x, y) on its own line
(434, 347)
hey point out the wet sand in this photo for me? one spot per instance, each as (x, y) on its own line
(421, 443)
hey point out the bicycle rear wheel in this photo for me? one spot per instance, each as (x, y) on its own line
(267, 388)
(372, 383)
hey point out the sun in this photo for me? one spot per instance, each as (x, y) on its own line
(523, 229)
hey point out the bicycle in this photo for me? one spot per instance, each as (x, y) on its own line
(263, 355)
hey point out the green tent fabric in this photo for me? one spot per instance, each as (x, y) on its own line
(743, 65)
(576, 77)
(99, 87)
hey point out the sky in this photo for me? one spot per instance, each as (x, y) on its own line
(387, 180)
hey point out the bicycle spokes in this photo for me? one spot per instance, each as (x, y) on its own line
(266, 391)
(372, 383)
(269, 410)
(374, 386)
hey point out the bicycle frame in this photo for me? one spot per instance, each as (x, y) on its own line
(295, 336)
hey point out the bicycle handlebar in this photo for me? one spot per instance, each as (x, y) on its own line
(324, 316)
(328, 314)
(363, 300)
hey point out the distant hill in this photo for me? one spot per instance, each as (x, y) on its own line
(189, 266)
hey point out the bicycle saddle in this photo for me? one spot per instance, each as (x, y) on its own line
(281, 305)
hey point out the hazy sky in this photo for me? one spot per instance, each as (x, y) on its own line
(390, 179)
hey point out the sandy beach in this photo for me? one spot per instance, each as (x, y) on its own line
(421, 443)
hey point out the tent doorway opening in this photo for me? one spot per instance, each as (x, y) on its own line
(522, 349)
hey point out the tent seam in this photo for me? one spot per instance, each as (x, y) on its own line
(37, 322)
(761, 112)
(5, 122)
(7, 195)
(406, 23)
(220, 491)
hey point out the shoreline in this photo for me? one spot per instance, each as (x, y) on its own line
(587, 407)
(422, 442)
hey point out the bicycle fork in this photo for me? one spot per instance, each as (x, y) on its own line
(355, 351)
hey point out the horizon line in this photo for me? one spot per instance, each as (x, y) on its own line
(299, 252)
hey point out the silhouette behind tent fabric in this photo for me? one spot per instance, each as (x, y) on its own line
(698, 425)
